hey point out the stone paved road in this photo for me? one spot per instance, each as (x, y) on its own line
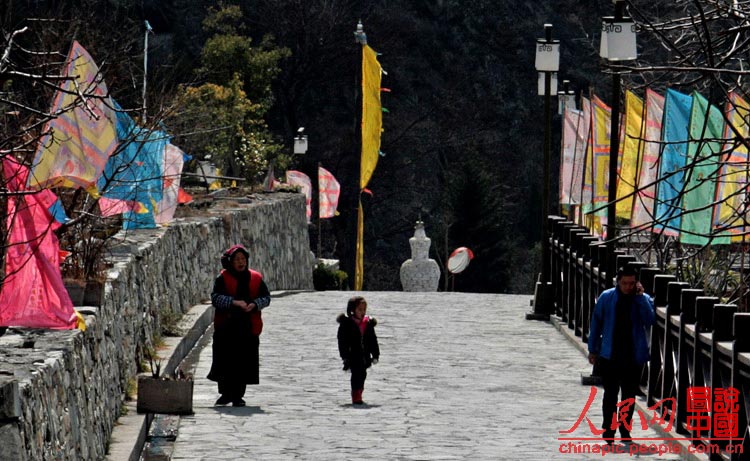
(461, 377)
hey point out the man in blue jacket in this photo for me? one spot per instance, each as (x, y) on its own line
(618, 341)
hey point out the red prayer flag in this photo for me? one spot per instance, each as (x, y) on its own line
(328, 193)
(32, 264)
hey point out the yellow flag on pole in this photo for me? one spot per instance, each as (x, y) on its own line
(372, 115)
(372, 124)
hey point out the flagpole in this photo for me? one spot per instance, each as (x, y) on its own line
(361, 39)
(320, 221)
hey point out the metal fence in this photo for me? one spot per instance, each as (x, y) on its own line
(698, 344)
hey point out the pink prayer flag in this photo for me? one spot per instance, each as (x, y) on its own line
(173, 162)
(32, 294)
(298, 178)
(328, 193)
(114, 206)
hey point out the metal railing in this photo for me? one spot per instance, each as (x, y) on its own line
(696, 342)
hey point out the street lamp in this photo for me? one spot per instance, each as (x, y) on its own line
(547, 63)
(617, 44)
(566, 98)
(300, 141)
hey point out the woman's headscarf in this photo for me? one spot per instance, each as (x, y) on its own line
(226, 258)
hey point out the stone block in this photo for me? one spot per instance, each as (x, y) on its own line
(10, 400)
(165, 396)
(10, 440)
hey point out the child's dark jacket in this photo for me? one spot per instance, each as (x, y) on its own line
(357, 350)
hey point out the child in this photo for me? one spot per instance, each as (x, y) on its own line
(358, 344)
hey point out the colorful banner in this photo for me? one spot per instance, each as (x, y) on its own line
(587, 189)
(731, 194)
(602, 116)
(598, 170)
(707, 126)
(630, 157)
(643, 207)
(328, 193)
(677, 108)
(32, 294)
(571, 120)
(82, 136)
(579, 157)
(172, 168)
(298, 178)
(372, 125)
(134, 174)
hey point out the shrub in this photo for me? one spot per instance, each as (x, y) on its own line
(325, 278)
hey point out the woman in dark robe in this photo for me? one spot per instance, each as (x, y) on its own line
(239, 295)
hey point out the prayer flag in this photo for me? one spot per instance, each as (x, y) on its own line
(297, 178)
(328, 193)
(571, 120)
(172, 167)
(630, 158)
(372, 126)
(587, 155)
(643, 208)
(32, 260)
(706, 126)
(731, 194)
(677, 108)
(82, 136)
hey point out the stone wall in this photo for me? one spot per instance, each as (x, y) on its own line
(62, 391)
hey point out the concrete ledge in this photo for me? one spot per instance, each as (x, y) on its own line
(129, 435)
(194, 323)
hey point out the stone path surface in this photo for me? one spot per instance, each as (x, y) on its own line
(461, 377)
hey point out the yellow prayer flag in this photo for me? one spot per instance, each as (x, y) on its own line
(630, 156)
(730, 212)
(372, 126)
(372, 115)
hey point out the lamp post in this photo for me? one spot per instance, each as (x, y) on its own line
(547, 63)
(617, 44)
(566, 98)
(300, 141)
(145, 66)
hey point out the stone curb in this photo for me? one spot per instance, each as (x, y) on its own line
(129, 435)
(562, 327)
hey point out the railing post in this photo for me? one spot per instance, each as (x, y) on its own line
(646, 276)
(739, 378)
(723, 322)
(660, 288)
(655, 372)
(704, 311)
(564, 248)
(576, 275)
(669, 383)
(588, 306)
(685, 355)
(556, 263)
